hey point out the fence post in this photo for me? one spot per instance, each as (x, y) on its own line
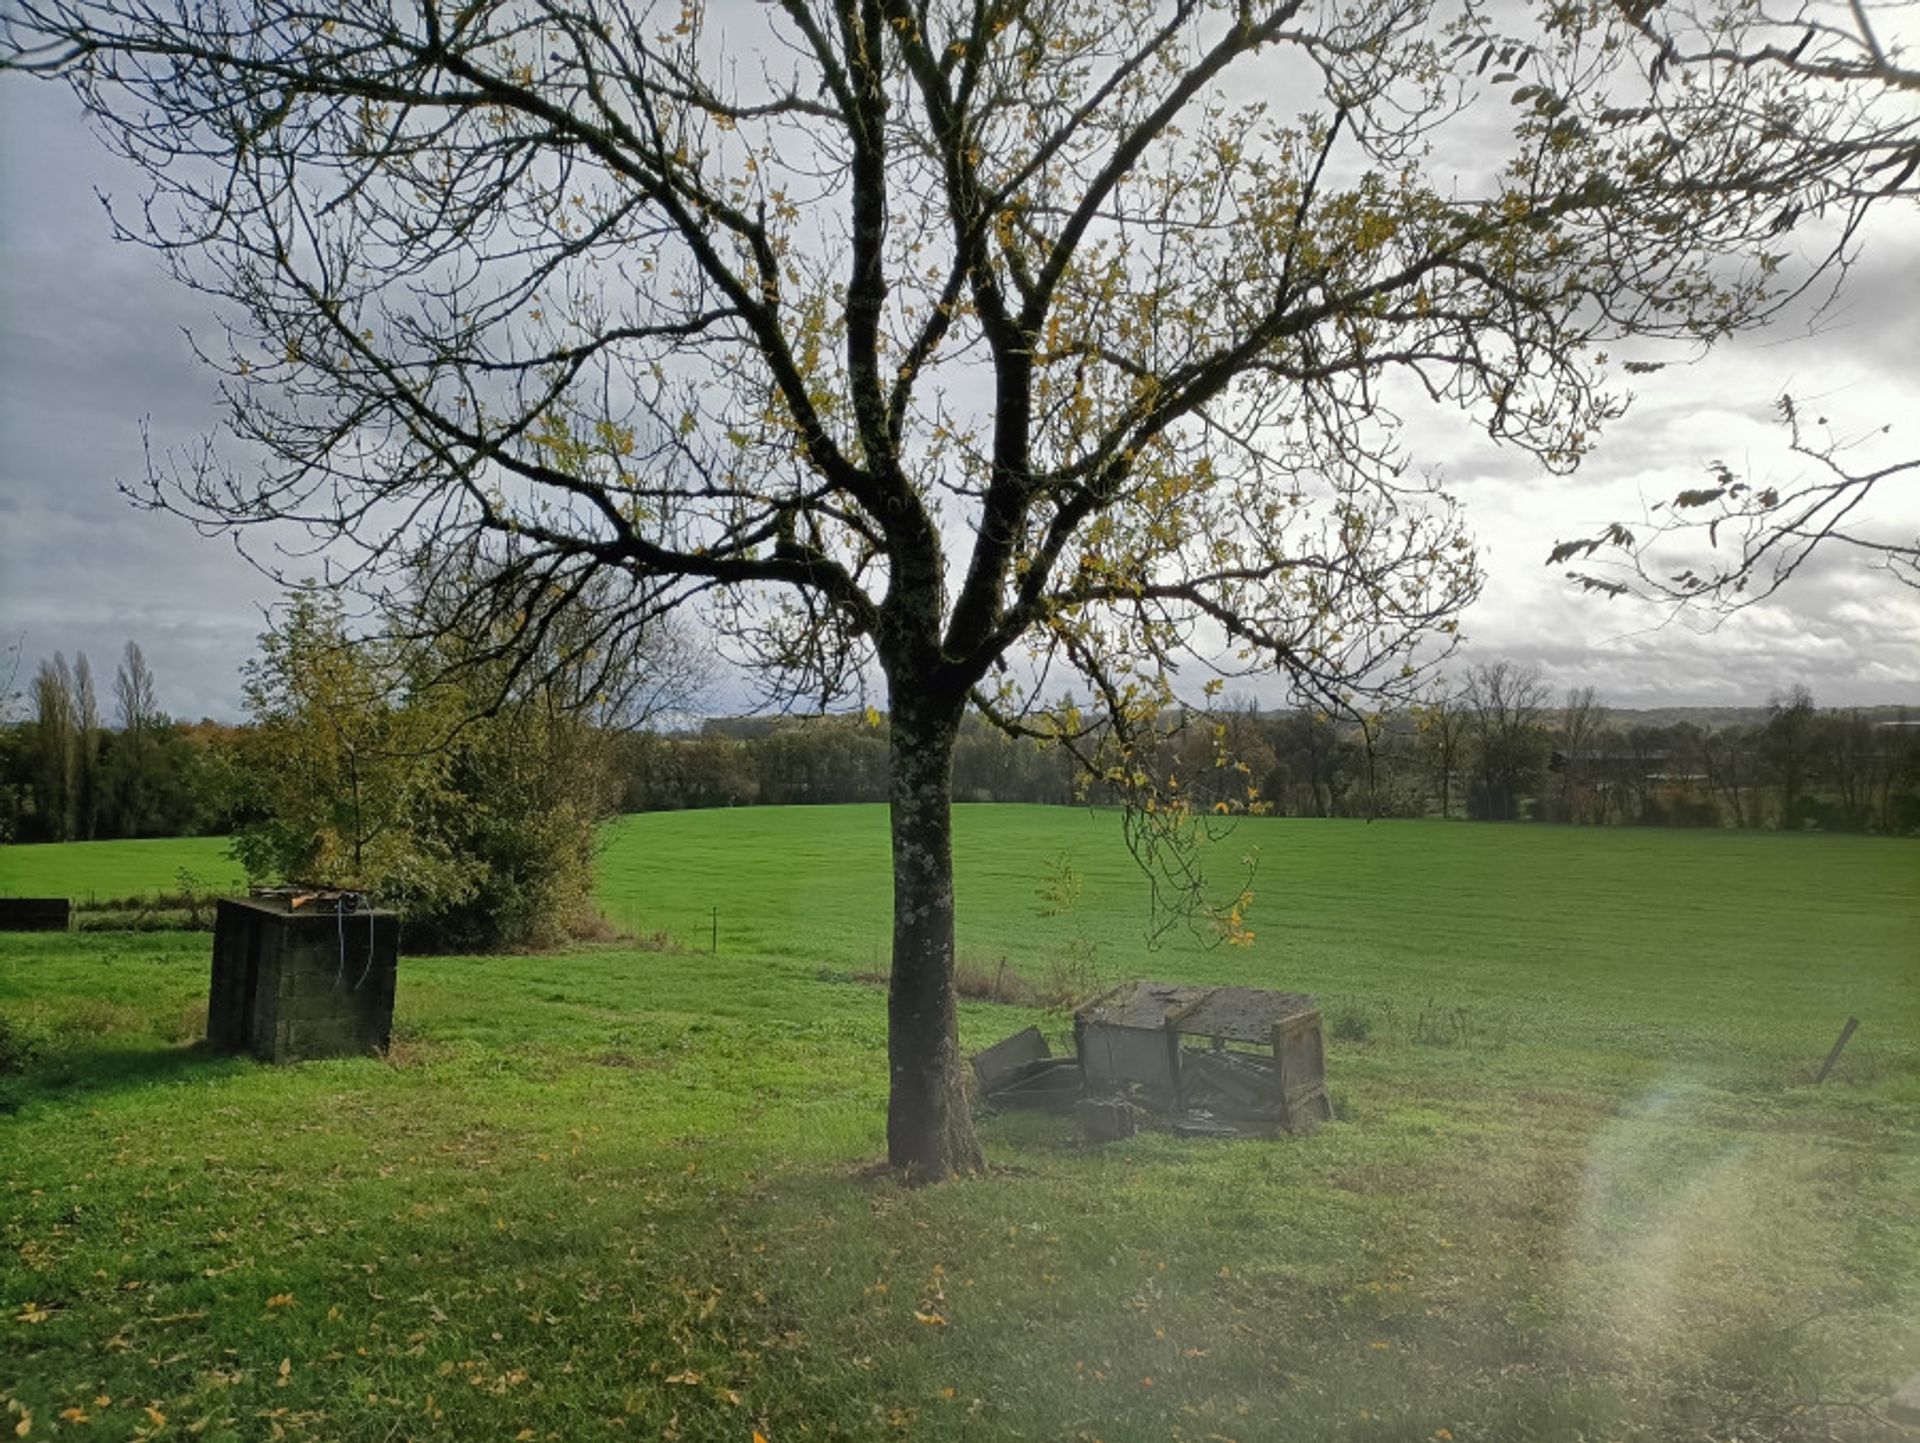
(1834, 1056)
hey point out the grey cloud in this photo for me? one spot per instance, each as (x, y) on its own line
(90, 344)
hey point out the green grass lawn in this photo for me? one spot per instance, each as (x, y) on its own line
(1710, 946)
(1578, 1188)
(102, 871)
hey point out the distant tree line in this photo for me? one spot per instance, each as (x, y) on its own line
(787, 761)
(77, 767)
(1516, 755)
(1495, 746)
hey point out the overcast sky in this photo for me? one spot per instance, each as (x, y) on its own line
(92, 352)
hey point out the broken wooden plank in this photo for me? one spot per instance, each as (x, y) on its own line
(1235, 1078)
(1008, 1056)
(1051, 1082)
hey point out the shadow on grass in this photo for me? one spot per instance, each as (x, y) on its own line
(72, 1072)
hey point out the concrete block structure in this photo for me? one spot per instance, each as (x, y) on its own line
(299, 976)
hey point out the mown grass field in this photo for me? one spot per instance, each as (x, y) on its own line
(1579, 1188)
(90, 872)
(1740, 949)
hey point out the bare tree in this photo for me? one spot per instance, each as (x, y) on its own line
(1789, 744)
(960, 339)
(1582, 723)
(137, 708)
(55, 764)
(1898, 771)
(1727, 757)
(1859, 95)
(1737, 539)
(1506, 709)
(1443, 721)
(136, 700)
(87, 781)
(11, 657)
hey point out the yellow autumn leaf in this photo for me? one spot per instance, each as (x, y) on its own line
(75, 1415)
(24, 1426)
(156, 1417)
(280, 1300)
(688, 1378)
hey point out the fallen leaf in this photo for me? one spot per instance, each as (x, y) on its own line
(280, 1300)
(688, 1378)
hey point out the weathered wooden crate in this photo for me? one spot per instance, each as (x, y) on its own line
(292, 984)
(1139, 1040)
(35, 914)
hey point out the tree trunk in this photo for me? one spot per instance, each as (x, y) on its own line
(929, 1127)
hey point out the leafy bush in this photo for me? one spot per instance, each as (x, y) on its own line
(462, 800)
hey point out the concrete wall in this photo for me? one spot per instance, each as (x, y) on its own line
(293, 985)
